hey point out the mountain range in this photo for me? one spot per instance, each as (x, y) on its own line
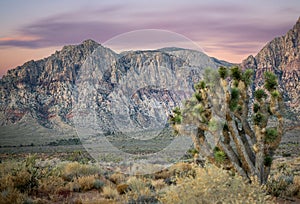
(39, 101)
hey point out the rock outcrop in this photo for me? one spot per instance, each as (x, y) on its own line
(91, 77)
(281, 56)
(136, 89)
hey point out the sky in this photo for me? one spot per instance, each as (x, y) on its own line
(226, 29)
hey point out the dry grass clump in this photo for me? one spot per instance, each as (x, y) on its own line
(283, 182)
(18, 180)
(110, 192)
(180, 169)
(74, 170)
(297, 185)
(117, 178)
(138, 186)
(50, 185)
(11, 195)
(86, 182)
(20, 175)
(140, 191)
(122, 188)
(158, 184)
(213, 185)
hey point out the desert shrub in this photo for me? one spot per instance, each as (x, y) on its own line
(5, 182)
(122, 188)
(117, 178)
(182, 169)
(164, 174)
(138, 185)
(19, 180)
(110, 192)
(158, 184)
(49, 185)
(7, 166)
(74, 186)
(74, 170)
(71, 170)
(11, 195)
(20, 175)
(277, 186)
(213, 185)
(143, 199)
(86, 182)
(138, 190)
(297, 185)
(98, 184)
(283, 182)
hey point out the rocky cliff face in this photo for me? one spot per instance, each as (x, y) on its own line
(42, 89)
(282, 57)
(135, 89)
(89, 77)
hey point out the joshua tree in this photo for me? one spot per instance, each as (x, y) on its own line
(230, 124)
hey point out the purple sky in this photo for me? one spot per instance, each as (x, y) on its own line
(226, 29)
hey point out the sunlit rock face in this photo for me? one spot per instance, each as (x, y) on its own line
(136, 89)
(281, 56)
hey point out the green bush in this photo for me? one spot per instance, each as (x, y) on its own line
(177, 111)
(98, 184)
(271, 135)
(270, 81)
(260, 94)
(200, 85)
(198, 96)
(268, 161)
(193, 151)
(225, 127)
(223, 72)
(235, 93)
(220, 156)
(247, 76)
(275, 94)
(177, 119)
(258, 118)
(236, 73)
(256, 107)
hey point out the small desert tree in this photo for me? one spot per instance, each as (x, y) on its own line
(230, 126)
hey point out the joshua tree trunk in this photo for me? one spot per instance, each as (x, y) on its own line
(246, 134)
